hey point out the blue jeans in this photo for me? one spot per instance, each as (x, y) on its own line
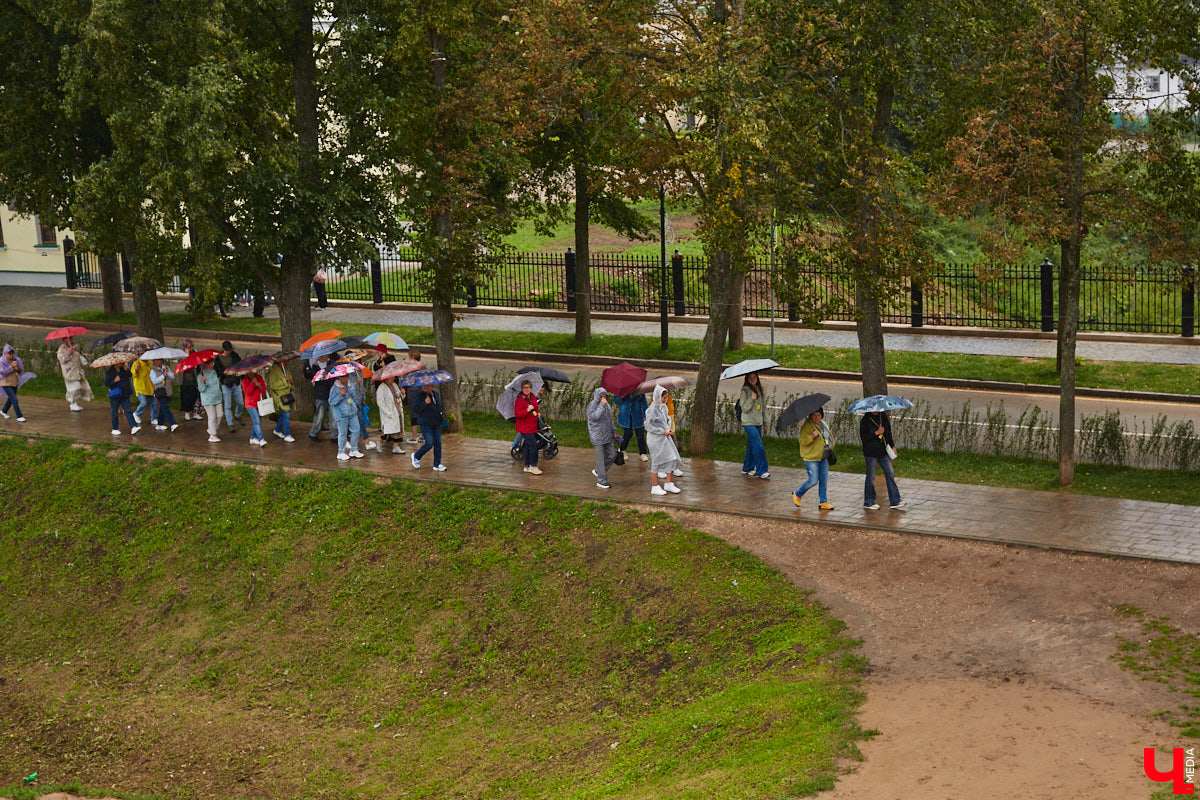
(229, 394)
(433, 438)
(163, 411)
(146, 401)
(756, 454)
(818, 475)
(115, 404)
(11, 393)
(284, 425)
(255, 424)
(531, 449)
(889, 477)
(347, 429)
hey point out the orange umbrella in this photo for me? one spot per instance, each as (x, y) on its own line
(319, 337)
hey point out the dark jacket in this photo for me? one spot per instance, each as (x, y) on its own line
(321, 389)
(224, 362)
(125, 384)
(872, 444)
(423, 413)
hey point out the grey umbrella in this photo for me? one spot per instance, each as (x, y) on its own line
(547, 373)
(799, 409)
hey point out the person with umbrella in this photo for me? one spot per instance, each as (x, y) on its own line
(343, 407)
(815, 438)
(231, 387)
(208, 384)
(283, 392)
(602, 434)
(144, 388)
(119, 381)
(160, 379)
(875, 431)
(321, 395)
(391, 413)
(664, 456)
(753, 417)
(11, 367)
(526, 411)
(416, 438)
(425, 409)
(254, 389)
(631, 416)
(189, 393)
(71, 363)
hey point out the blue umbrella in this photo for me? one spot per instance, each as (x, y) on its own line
(879, 402)
(426, 377)
(323, 348)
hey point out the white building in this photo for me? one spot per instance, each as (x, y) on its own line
(31, 254)
(1139, 89)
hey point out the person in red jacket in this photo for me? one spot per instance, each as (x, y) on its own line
(526, 408)
(254, 388)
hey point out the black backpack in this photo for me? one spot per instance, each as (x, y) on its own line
(737, 409)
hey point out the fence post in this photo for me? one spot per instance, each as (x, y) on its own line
(569, 262)
(1189, 300)
(1047, 295)
(126, 275)
(793, 314)
(677, 284)
(69, 263)
(472, 296)
(376, 280)
(918, 306)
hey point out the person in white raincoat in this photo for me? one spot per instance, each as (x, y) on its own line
(391, 414)
(71, 363)
(664, 456)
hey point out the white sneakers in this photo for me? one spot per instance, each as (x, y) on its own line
(645, 457)
(160, 427)
(4, 414)
(416, 464)
(439, 467)
(76, 407)
(214, 439)
(116, 433)
(397, 450)
(259, 442)
(186, 415)
(672, 488)
(678, 473)
(277, 433)
(20, 419)
(657, 490)
(289, 438)
(134, 429)
(372, 445)
(356, 454)
(175, 427)
(343, 457)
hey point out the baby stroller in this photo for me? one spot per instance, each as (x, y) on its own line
(546, 440)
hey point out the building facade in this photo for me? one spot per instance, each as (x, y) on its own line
(31, 253)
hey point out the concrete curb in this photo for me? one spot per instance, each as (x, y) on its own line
(663, 364)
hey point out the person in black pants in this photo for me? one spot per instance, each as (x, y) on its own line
(875, 431)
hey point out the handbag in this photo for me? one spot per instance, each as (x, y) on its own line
(266, 407)
(115, 391)
(288, 399)
(161, 393)
(320, 277)
(619, 460)
(829, 455)
(891, 452)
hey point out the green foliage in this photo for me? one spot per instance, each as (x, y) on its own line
(576, 650)
(1165, 654)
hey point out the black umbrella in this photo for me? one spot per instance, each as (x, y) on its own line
(547, 373)
(111, 339)
(355, 342)
(799, 409)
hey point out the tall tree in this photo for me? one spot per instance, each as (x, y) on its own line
(1039, 152)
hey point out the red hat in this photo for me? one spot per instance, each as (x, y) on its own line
(381, 347)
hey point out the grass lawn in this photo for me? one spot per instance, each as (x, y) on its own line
(1158, 485)
(175, 630)
(1170, 378)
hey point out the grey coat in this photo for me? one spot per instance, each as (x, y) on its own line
(600, 420)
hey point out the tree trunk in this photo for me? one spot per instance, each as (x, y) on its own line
(295, 273)
(712, 354)
(145, 296)
(737, 292)
(1068, 329)
(295, 319)
(870, 339)
(110, 284)
(583, 253)
(443, 342)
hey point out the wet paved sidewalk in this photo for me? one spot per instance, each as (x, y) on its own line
(1071, 522)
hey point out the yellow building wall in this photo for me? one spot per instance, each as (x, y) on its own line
(24, 261)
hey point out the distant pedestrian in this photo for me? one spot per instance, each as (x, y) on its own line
(409, 395)
(11, 367)
(426, 410)
(208, 384)
(631, 416)
(119, 381)
(254, 389)
(71, 363)
(319, 279)
(343, 407)
(526, 409)
(875, 431)
(160, 379)
(231, 388)
(283, 392)
(144, 388)
(664, 456)
(321, 390)
(603, 435)
(753, 419)
(391, 414)
(814, 438)
(189, 394)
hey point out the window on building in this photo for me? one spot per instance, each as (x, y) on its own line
(46, 233)
(1131, 83)
(1154, 83)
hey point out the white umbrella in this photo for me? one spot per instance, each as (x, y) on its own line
(746, 367)
(165, 353)
(506, 404)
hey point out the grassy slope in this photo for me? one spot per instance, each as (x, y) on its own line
(192, 631)
(1173, 378)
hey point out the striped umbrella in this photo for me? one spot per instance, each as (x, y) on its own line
(249, 364)
(426, 377)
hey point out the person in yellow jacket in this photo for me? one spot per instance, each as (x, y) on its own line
(814, 438)
(282, 391)
(144, 388)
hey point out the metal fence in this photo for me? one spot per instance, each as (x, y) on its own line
(1145, 300)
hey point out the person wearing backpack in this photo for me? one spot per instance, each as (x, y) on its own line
(753, 417)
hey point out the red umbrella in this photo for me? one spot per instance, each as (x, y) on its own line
(62, 333)
(195, 359)
(622, 379)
